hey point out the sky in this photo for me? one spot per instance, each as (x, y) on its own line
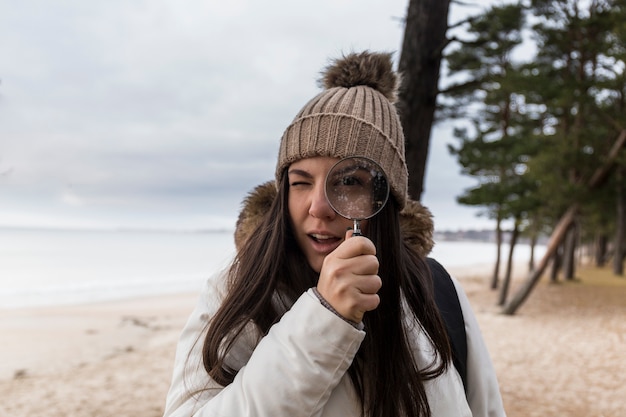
(163, 114)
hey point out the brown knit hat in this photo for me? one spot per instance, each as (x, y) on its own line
(353, 116)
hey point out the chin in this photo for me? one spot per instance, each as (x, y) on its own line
(316, 264)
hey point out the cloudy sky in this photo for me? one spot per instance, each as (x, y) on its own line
(163, 113)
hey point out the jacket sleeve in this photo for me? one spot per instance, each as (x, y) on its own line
(483, 392)
(291, 371)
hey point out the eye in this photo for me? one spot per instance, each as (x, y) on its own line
(299, 178)
(350, 180)
(298, 183)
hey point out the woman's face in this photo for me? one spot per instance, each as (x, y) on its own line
(317, 228)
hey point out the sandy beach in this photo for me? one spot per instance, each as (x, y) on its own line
(562, 354)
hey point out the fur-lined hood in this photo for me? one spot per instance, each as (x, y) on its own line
(415, 220)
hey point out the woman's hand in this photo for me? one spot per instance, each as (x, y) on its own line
(349, 278)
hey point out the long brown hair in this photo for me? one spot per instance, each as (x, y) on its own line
(270, 267)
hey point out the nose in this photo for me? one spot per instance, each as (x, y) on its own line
(320, 208)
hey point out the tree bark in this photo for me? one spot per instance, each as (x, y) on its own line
(561, 228)
(496, 268)
(569, 251)
(531, 259)
(424, 37)
(600, 255)
(504, 291)
(618, 256)
(557, 262)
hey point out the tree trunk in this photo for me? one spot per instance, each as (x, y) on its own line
(600, 253)
(531, 259)
(424, 38)
(496, 269)
(557, 263)
(556, 239)
(558, 234)
(509, 265)
(618, 256)
(569, 251)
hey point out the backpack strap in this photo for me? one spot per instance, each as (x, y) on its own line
(447, 301)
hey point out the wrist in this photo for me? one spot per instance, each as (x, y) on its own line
(328, 306)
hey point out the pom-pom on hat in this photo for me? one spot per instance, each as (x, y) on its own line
(353, 116)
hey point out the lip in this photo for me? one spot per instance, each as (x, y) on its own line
(324, 242)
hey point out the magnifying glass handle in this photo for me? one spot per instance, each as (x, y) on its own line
(356, 228)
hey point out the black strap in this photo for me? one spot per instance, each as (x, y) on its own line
(449, 306)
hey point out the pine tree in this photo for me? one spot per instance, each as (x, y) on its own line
(497, 149)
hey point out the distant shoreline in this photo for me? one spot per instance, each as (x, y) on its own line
(110, 230)
(461, 235)
(480, 235)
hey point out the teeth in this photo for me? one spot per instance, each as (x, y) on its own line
(321, 237)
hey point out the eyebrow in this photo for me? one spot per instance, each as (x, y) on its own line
(300, 172)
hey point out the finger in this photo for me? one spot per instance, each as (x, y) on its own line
(363, 265)
(369, 284)
(355, 246)
(368, 302)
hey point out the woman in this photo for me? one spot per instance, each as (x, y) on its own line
(312, 321)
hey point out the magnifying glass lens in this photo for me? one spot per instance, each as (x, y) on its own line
(356, 188)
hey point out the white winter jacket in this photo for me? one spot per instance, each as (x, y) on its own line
(299, 368)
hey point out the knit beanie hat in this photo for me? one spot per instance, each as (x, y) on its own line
(353, 116)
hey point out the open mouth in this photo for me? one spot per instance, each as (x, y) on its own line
(324, 243)
(324, 239)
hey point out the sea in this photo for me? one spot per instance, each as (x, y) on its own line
(43, 267)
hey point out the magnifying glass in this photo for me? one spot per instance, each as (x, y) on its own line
(357, 189)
